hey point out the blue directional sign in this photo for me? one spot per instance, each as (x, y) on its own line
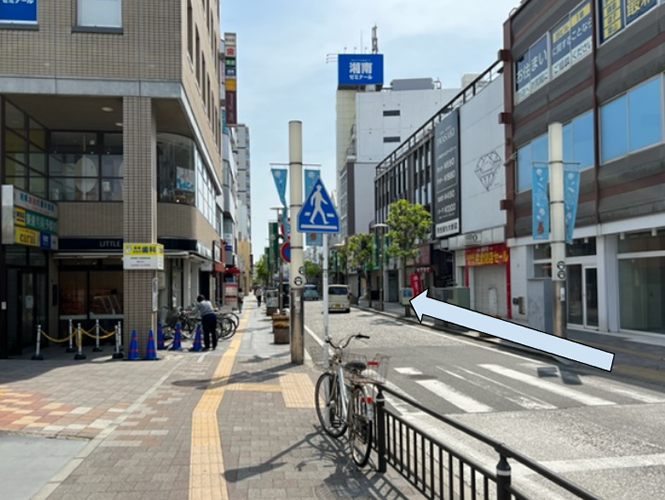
(318, 214)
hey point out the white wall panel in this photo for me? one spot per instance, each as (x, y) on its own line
(482, 157)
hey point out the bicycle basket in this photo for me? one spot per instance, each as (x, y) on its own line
(377, 367)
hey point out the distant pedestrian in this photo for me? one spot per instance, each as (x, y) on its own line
(241, 299)
(258, 293)
(209, 322)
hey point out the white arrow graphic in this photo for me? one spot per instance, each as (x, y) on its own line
(424, 305)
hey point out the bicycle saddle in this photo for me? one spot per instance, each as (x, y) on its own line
(356, 366)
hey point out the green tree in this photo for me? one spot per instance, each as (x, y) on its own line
(261, 273)
(409, 223)
(359, 252)
(312, 270)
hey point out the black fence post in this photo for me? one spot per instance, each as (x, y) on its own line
(503, 479)
(381, 430)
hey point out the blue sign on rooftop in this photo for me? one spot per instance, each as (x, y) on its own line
(360, 69)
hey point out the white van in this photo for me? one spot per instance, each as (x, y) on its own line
(339, 298)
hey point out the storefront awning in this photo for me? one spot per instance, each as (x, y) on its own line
(232, 270)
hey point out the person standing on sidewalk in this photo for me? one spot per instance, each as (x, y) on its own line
(241, 299)
(208, 320)
(258, 293)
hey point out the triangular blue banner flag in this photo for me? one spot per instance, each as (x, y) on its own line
(571, 187)
(279, 175)
(540, 216)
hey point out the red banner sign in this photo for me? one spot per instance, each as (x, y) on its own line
(489, 255)
(416, 284)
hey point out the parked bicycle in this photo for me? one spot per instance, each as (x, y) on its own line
(346, 403)
(178, 315)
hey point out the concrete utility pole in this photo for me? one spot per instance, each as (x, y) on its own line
(558, 223)
(297, 271)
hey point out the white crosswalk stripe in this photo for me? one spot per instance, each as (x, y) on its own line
(578, 396)
(511, 393)
(454, 397)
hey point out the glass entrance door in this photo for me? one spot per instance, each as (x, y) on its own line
(583, 295)
(575, 295)
(591, 297)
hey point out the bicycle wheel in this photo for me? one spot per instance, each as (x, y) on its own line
(360, 425)
(224, 328)
(329, 405)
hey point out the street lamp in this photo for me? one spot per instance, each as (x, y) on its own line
(383, 227)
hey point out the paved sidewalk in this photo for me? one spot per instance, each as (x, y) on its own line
(640, 356)
(235, 423)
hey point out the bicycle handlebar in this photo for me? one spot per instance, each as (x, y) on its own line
(345, 342)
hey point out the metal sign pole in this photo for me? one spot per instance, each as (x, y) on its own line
(326, 335)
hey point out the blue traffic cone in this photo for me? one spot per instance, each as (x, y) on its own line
(177, 339)
(197, 339)
(160, 337)
(133, 353)
(150, 352)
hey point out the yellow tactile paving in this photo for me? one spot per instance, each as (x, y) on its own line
(297, 389)
(254, 387)
(206, 471)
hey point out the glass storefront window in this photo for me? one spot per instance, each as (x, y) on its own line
(112, 166)
(37, 134)
(642, 242)
(14, 118)
(73, 288)
(641, 294)
(176, 174)
(106, 294)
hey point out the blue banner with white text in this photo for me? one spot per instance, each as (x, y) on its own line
(541, 211)
(311, 175)
(280, 175)
(571, 187)
(18, 11)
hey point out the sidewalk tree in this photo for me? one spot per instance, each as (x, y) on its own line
(312, 270)
(359, 252)
(261, 269)
(409, 223)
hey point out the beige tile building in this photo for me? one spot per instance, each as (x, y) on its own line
(111, 111)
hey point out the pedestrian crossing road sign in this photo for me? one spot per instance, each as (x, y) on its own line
(318, 214)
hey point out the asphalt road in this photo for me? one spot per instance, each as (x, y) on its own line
(599, 430)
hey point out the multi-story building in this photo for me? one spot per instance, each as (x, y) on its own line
(596, 67)
(382, 120)
(109, 133)
(452, 165)
(244, 207)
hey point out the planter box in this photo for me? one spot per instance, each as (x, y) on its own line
(282, 335)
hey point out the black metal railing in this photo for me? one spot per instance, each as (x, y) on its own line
(437, 470)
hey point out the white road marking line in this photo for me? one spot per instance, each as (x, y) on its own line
(407, 370)
(599, 463)
(522, 399)
(454, 397)
(548, 386)
(643, 395)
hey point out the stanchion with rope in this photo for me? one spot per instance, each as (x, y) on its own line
(97, 348)
(79, 344)
(71, 338)
(118, 332)
(38, 356)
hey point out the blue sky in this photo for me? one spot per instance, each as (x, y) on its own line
(283, 74)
